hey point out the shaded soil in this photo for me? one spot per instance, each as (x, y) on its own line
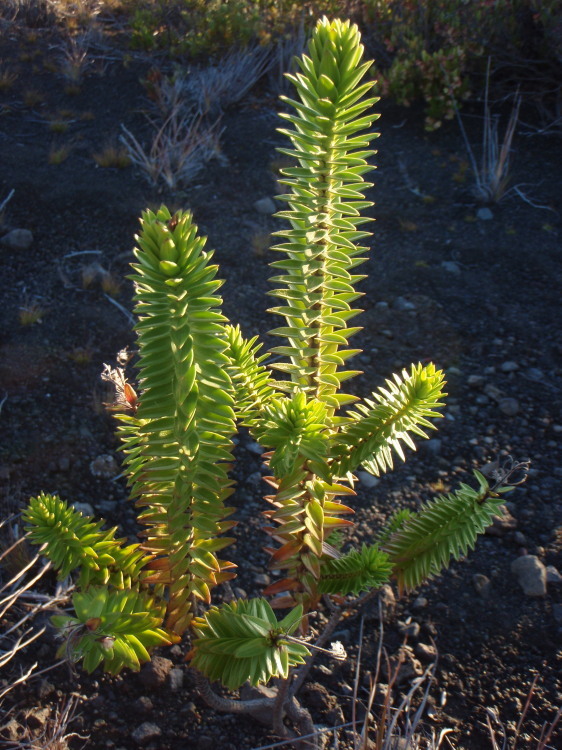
(496, 301)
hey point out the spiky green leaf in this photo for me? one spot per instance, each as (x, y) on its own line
(242, 641)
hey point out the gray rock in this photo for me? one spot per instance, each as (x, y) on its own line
(18, 239)
(104, 466)
(509, 406)
(509, 366)
(520, 538)
(482, 585)
(475, 381)
(367, 480)
(146, 732)
(419, 603)
(189, 708)
(533, 373)
(154, 673)
(254, 448)
(531, 574)
(401, 303)
(425, 652)
(265, 206)
(552, 575)
(484, 214)
(434, 446)
(175, 679)
(382, 305)
(451, 267)
(493, 392)
(107, 506)
(262, 579)
(143, 704)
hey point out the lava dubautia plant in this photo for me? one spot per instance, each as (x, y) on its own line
(198, 377)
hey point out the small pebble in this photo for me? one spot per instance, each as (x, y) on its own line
(146, 732)
(484, 214)
(434, 446)
(552, 575)
(18, 239)
(262, 579)
(531, 574)
(510, 366)
(175, 679)
(154, 673)
(265, 206)
(425, 652)
(401, 303)
(482, 585)
(493, 392)
(509, 406)
(104, 466)
(367, 480)
(451, 267)
(254, 448)
(475, 381)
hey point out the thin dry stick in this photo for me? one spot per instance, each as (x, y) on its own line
(317, 732)
(373, 687)
(543, 740)
(356, 682)
(524, 712)
(6, 200)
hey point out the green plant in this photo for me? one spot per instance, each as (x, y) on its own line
(492, 177)
(31, 312)
(8, 78)
(58, 153)
(198, 376)
(112, 157)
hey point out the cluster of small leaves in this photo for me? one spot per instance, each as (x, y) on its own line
(116, 627)
(243, 641)
(358, 570)
(385, 422)
(251, 379)
(444, 529)
(179, 442)
(73, 541)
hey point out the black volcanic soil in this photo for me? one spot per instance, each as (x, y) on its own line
(478, 296)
